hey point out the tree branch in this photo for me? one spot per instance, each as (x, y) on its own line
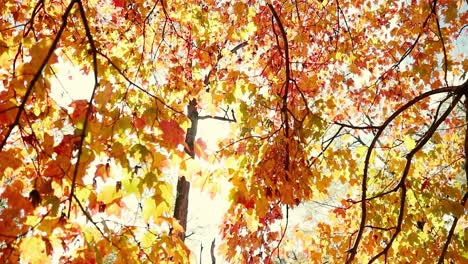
(402, 185)
(38, 73)
(284, 107)
(213, 258)
(465, 197)
(89, 36)
(456, 89)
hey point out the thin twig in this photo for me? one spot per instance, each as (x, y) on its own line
(136, 85)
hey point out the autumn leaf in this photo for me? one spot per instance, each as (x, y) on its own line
(172, 134)
(53, 169)
(119, 3)
(78, 109)
(33, 250)
(200, 148)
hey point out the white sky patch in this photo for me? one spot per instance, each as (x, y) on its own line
(70, 84)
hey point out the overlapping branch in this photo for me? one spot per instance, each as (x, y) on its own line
(284, 108)
(286, 65)
(402, 184)
(465, 197)
(457, 92)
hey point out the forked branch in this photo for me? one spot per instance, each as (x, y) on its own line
(458, 91)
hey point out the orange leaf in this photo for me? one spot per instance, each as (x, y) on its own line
(52, 169)
(173, 134)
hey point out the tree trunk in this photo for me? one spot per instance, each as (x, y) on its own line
(181, 204)
(213, 259)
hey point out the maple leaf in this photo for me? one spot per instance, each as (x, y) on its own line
(172, 133)
(33, 250)
(78, 109)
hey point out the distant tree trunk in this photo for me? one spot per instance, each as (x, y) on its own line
(213, 259)
(183, 186)
(201, 252)
(181, 204)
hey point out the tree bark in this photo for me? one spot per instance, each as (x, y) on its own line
(183, 186)
(181, 204)
(213, 258)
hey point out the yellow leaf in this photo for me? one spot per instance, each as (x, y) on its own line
(252, 221)
(409, 142)
(147, 239)
(33, 250)
(108, 194)
(39, 51)
(154, 207)
(149, 209)
(3, 47)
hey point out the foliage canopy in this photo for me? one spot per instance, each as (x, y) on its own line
(358, 105)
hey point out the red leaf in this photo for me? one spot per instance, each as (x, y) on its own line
(173, 134)
(139, 122)
(119, 3)
(79, 109)
(67, 145)
(52, 169)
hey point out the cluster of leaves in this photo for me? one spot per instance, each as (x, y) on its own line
(356, 100)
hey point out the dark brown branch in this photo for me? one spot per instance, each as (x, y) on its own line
(460, 88)
(39, 5)
(38, 73)
(286, 54)
(380, 228)
(415, 42)
(88, 216)
(441, 37)
(465, 197)
(239, 46)
(206, 81)
(330, 141)
(287, 81)
(451, 232)
(339, 10)
(201, 252)
(402, 184)
(89, 36)
(227, 119)
(408, 51)
(213, 258)
(356, 127)
(181, 204)
(191, 134)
